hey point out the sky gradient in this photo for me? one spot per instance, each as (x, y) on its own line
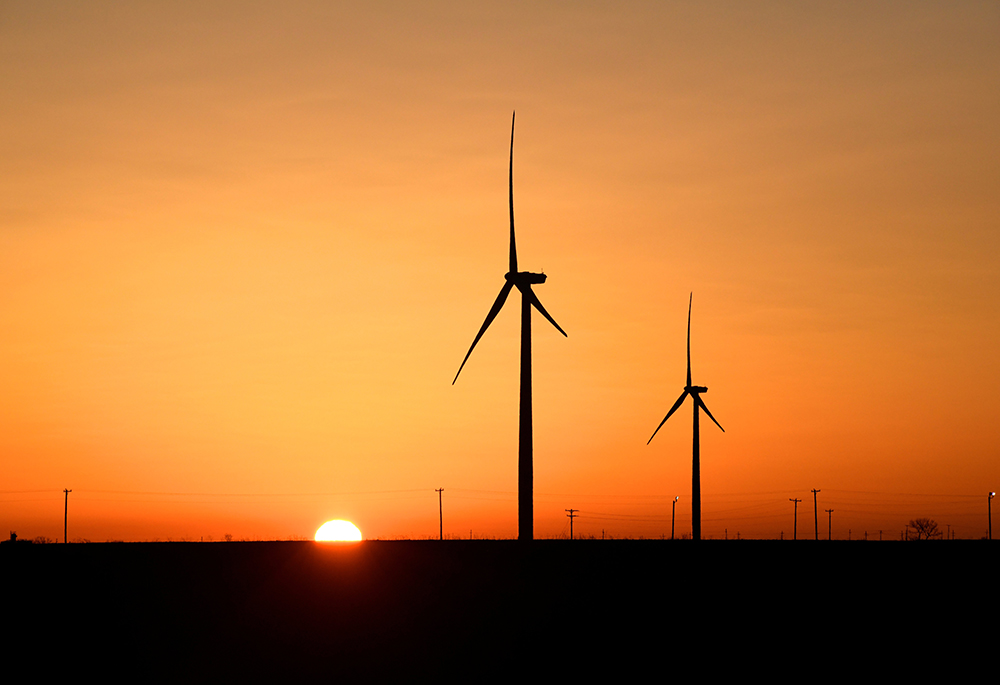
(244, 248)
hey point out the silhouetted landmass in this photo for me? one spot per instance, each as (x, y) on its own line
(424, 609)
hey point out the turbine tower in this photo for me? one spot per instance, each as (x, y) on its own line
(522, 280)
(695, 391)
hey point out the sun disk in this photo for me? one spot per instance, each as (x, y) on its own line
(338, 531)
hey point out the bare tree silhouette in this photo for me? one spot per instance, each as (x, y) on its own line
(923, 529)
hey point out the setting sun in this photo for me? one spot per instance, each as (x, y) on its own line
(338, 531)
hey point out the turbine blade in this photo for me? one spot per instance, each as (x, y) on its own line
(533, 299)
(690, 298)
(670, 413)
(513, 246)
(701, 403)
(494, 310)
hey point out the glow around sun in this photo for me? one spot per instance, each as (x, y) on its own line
(338, 531)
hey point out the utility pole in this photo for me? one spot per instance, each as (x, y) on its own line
(989, 513)
(673, 516)
(795, 521)
(829, 524)
(815, 513)
(66, 516)
(572, 515)
(440, 514)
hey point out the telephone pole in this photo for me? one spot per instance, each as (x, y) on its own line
(440, 514)
(673, 516)
(572, 515)
(815, 513)
(795, 521)
(829, 523)
(989, 514)
(66, 515)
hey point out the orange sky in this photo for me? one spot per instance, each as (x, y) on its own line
(244, 248)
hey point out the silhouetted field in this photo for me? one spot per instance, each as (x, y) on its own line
(422, 609)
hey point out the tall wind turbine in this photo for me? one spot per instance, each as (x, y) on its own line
(695, 391)
(523, 281)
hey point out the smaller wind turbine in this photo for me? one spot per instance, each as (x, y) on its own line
(695, 391)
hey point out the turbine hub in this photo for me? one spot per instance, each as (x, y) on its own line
(696, 389)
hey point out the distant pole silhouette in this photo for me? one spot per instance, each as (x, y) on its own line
(795, 520)
(66, 516)
(440, 514)
(989, 514)
(572, 514)
(522, 280)
(829, 522)
(673, 515)
(695, 391)
(815, 513)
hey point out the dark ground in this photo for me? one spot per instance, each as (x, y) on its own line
(479, 610)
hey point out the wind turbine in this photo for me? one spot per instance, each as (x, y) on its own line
(523, 281)
(695, 391)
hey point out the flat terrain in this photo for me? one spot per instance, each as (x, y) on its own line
(389, 608)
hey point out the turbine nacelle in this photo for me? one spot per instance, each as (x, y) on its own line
(695, 389)
(522, 278)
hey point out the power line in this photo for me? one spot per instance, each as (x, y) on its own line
(252, 494)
